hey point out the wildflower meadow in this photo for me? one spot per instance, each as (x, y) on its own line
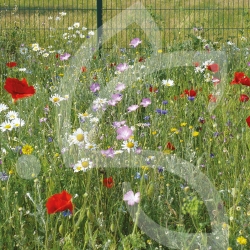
(127, 148)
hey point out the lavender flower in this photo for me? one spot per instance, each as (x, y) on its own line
(94, 87)
(135, 42)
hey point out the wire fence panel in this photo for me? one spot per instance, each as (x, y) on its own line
(177, 19)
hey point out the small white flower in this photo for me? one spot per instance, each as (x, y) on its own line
(57, 18)
(7, 125)
(199, 69)
(90, 146)
(45, 54)
(168, 82)
(17, 122)
(22, 69)
(81, 36)
(129, 145)
(83, 165)
(56, 99)
(3, 107)
(11, 115)
(70, 28)
(91, 33)
(62, 13)
(79, 137)
(84, 28)
(76, 25)
(50, 17)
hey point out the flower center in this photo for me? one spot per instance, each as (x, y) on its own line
(7, 126)
(80, 137)
(85, 164)
(55, 99)
(78, 168)
(130, 144)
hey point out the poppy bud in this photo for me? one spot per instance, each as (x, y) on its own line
(61, 229)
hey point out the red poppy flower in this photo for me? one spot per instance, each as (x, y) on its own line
(214, 67)
(240, 77)
(243, 98)
(170, 146)
(108, 182)
(196, 64)
(248, 121)
(57, 55)
(18, 89)
(11, 64)
(211, 98)
(191, 92)
(84, 69)
(59, 203)
(141, 59)
(153, 89)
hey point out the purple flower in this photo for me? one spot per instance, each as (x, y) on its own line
(65, 56)
(112, 102)
(191, 98)
(108, 153)
(165, 102)
(118, 124)
(124, 133)
(248, 64)
(161, 111)
(122, 67)
(131, 198)
(3, 176)
(120, 87)
(132, 108)
(135, 42)
(138, 150)
(95, 87)
(116, 97)
(43, 119)
(145, 102)
(146, 118)
(160, 169)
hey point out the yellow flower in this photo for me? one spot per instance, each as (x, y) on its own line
(229, 248)
(144, 168)
(183, 124)
(242, 240)
(195, 133)
(190, 127)
(56, 155)
(181, 140)
(173, 129)
(11, 172)
(167, 151)
(159, 51)
(149, 242)
(154, 132)
(27, 149)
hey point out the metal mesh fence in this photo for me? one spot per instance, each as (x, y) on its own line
(177, 19)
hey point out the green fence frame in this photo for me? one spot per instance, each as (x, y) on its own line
(213, 19)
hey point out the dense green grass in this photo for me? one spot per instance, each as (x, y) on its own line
(220, 20)
(101, 219)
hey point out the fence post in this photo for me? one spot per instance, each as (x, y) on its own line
(99, 23)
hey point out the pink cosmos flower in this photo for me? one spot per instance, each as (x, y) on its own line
(131, 198)
(65, 56)
(116, 97)
(145, 102)
(122, 67)
(135, 42)
(124, 133)
(120, 87)
(108, 153)
(118, 124)
(94, 87)
(132, 108)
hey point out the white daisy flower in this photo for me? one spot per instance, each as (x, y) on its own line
(62, 13)
(79, 137)
(168, 82)
(22, 69)
(76, 25)
(91, 33)
(90, 146)
(94, 120)
(56, 99)
(7, 125)
(81, 36)
(78, 167)
(84, 28)
(3, 107)
(85, 115)
(129, 145)
(199, 69)
(45, 54)
(11, 115)
(99, 103)
(17, 122)
(85, 163)
(206, 63)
